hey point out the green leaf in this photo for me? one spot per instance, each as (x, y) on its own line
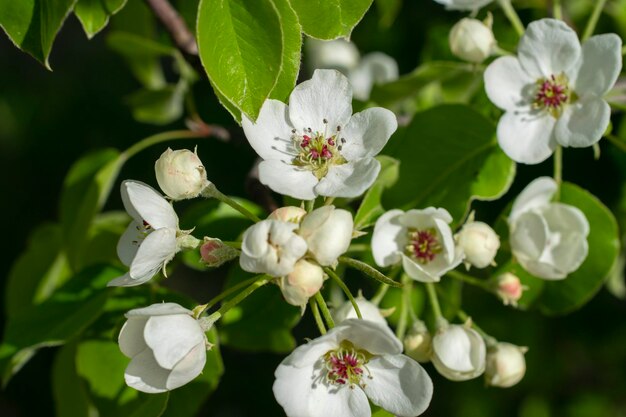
(371, 207)
(262, 322)
(37, 272)
(61, 317)
(388, 11)
(32, 25)
(94, 14)
(292, 51)
(159, 107)
(448, 157)
(246, 48)
(85, 190)
(104, 233)
(561, 297)
(330, 19)
(70, 395)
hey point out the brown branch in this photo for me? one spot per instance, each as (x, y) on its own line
(175, 25)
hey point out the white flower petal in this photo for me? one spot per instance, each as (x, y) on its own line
(270, 135)
(469, 5)
(288, 180)
(129, 242)
(156, 249)
(308, 354)
(418, 272)
(126, 281)
(529, 235)
(544, 270)
(583, 123)
(601, 63)
(374, 68)
(447, 241)
(399, 385)
(158, 309)
(374, 337)
(388, 239)
(131, 339)
(507, 85)
(349, 180)
(188, 368)
(172, 337)
(549, 47)
(327, 95)
(144, 374)
(527, 138)
(144, 203)
(367, 133)
(369, 311)
(536, 194)
(453, 347)
(572, 226)
(424, 218)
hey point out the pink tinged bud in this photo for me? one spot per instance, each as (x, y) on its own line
(302, 283)
(290, 214)
(509, 289)
(214, 252)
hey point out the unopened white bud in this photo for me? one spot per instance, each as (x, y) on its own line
(369, 311)
(302, 283)
(291, 214)
(180, 174)
(506, 365)
(458, 352)
(327, 232)
(418, 343)
(509, 288)
(479, 243)
(472, 40)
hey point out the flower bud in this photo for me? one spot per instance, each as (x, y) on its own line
(327, 232)
(214, 252)
(302, 283)
(479, 243)
(506, 365)
(180, 174)
(369, 311)
(418, 342)
(458, 352)
(167, 347)
(472, 40)
(288, 214)
(509, 288)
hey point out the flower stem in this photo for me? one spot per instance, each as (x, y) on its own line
(369, 271)
(325, 312)
(593, 20)
(310, 205)
(617, 142)
(469, 279)
(490, 340)
(511, 14)
(231, 290)
(258, 283)
(236, 245)
(404, 307)
(557, 10)
(328, 201)
(382, 289)
(359, 247)
(434, 302)
(158, 138)
(345, 289)
(316, 314)
(211, 191)
(558, 170)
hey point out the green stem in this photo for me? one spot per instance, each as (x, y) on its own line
(404, 307)
(316, 315)
(158, 138)
(359, 247)
(557, 10)
(236, 245)
(369, 271)
(511, 14)
(382, 289)
(211, 191)
(490, 340)
(469, 279)
(593, 20)
(231, 290)
(624, 50)
(617, 142)
(239, 298)
(325, 312)
(328, 201)
(345, 289)
(310, 205)
(558, 170)
(434, 302)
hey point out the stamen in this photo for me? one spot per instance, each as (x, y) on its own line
(346, 365)
(423, 245)
(553, 94)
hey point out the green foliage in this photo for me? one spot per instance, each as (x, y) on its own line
(94, 14)
(159, 107)
(371, 207)
(330, 19)
(32, 25)
(448, 157)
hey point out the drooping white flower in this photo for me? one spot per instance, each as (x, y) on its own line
(472, 40)
(336, 374)
(152, 238)
(315, 146)
(418, 342)
(548, 239)
(509, 288)
(552, 92)
(271, 247)
(180, 174)
(327, 232)
(420, 239)
(458, 352)
(470, 5)
(167, 347)
(369, 311)
(479, 243)
(506, 365)
(302, 283)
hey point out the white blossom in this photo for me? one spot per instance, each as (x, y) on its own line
(548, 239)
(167, 347)
(152, 238)
(271, 247)
(316, 146)
(180, 174)
(458, 352)
(420, 239)
(472, 40)
(469, 5)
(302, 283)
(369, 311)
(327, 232)
(288, 214)
(336, 374)
(552, 91)
(506, 365)
(479, 243)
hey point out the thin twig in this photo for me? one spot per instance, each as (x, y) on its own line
(175, 25)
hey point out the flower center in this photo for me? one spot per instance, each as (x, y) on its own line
(318, 150)
(423, 245)
(553, 94)
(346, 365)
(143, 231)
